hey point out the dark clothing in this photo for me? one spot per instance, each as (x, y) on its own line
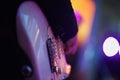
(59, 14)
(60, 17)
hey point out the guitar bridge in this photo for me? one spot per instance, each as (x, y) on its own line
(57, 60)
(51, 54)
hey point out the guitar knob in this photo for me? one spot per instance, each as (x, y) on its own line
(26, 71)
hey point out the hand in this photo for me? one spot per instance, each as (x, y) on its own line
(71, 46)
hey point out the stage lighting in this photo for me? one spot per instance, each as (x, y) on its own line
(110, 46)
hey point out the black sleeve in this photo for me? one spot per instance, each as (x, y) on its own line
(60, 16)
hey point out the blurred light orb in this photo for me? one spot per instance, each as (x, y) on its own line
(110, 46)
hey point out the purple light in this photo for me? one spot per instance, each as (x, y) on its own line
(111, 46)
(78, 17)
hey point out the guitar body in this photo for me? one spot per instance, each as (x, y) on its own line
(44, 51)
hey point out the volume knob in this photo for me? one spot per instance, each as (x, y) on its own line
(26, 71)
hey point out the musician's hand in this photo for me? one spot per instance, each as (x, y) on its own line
(71, 45)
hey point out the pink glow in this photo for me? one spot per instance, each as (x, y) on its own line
(78, 17)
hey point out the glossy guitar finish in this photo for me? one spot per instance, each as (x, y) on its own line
(35, 37)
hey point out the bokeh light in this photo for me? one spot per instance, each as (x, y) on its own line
(111, 46)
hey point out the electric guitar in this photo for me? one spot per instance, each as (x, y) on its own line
(45, 52)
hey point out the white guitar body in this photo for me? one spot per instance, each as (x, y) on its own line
(35, 37)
